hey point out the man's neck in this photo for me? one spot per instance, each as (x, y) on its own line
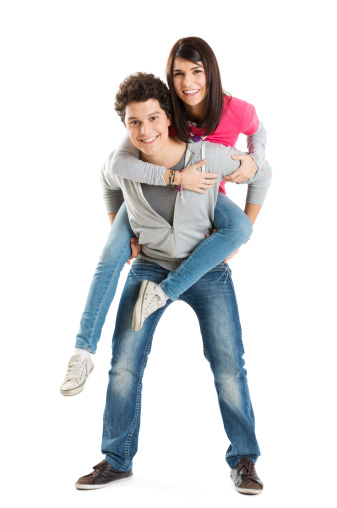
(169, 155)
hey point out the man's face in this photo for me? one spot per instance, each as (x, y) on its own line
(147, 125)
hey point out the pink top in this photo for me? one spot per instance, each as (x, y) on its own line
(240, 117)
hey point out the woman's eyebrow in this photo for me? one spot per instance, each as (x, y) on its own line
(192, 68)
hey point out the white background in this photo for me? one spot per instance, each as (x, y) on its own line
(61, 65)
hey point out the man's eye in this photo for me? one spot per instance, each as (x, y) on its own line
(135, 122)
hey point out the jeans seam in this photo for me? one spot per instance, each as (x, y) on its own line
(142, 368)
(106, 291)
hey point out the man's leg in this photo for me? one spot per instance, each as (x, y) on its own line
(213, 300)
(130, 352)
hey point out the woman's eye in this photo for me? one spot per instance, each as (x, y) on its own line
(154, 117)
(177, 74)
(197, 71)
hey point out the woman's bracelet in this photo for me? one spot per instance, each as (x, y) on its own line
(171, 182)
(180, 187)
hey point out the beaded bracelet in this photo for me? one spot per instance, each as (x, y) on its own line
(180, 187)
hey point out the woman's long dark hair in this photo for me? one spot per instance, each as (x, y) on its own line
(197, 50)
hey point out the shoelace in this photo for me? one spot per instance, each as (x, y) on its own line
(248, 468)
(98, 467)
(149, 304)
(73, 370)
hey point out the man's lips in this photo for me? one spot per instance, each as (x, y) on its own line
(148, 141)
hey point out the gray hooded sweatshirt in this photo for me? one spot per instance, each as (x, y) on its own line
(169, 245)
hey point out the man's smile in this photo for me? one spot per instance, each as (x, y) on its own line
(149, 140)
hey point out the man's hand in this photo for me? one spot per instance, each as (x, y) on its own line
(135, 249)
(246, 170)
(231, 255)
(197, 181)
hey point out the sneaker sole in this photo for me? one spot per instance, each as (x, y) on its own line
(77, 390)
(81, 486)
(137, 313)
(247, 491)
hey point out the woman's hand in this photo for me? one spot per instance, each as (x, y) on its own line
(195, 180)
(246, 170)
(136, 249)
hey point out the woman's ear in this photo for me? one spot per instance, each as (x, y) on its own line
(169, 120)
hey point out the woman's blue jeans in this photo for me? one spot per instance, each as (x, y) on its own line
(213, 300)
(233, 229)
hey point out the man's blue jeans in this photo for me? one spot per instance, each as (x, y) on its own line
(213, 300)
(233, 229)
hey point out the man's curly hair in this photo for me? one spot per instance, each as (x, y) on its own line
(141, 87)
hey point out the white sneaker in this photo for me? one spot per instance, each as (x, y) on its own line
(76, 375)
(151, 298)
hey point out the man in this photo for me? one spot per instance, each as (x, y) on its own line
(161, 226)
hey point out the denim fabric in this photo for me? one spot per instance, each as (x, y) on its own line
(233, 229)
(213, 300)
(102, 290)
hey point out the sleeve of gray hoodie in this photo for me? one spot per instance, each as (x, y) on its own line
(258, 184)
(256, 144)
(125, 163)
(112, 193)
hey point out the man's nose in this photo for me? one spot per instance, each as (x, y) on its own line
(145, 128)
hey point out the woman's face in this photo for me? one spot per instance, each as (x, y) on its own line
(189, 80)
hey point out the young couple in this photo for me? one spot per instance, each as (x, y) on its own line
(168, 177)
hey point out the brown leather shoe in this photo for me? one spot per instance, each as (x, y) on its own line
(245, 478)
(102, 475)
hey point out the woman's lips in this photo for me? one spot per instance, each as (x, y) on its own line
(191, 92)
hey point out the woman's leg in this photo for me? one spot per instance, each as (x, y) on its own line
(104, 283)
(214, 302)
(233, 229)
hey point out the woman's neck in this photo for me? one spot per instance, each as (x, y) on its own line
(195, 113)
(169, 155)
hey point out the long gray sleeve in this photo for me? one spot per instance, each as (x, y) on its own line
(126, 163)
(258, 184)
(256, 144)
(112, 193)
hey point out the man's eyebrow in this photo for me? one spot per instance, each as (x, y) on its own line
(151, 114)
(192, 68)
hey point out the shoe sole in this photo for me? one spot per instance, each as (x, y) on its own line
(81, 486)
(77, 390)
(247, 491)
(136, 321)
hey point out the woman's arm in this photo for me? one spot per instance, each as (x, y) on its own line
(256, 144)
(125, 163)
(258, 184)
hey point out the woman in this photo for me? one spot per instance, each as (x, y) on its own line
(195, 84)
